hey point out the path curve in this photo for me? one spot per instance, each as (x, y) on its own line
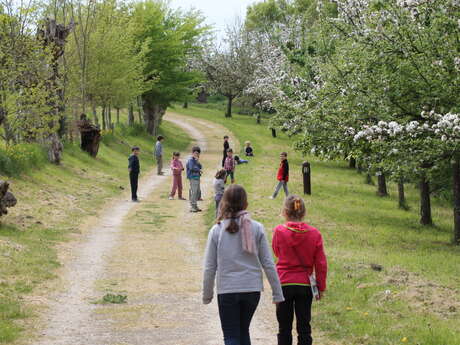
(152, 252)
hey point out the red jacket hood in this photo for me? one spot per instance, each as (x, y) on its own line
(296, 233)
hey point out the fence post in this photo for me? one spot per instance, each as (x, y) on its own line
(306, 172)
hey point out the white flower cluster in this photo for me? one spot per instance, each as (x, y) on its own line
(444, 127)
(457, 63)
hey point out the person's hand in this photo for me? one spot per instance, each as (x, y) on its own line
(320, 295)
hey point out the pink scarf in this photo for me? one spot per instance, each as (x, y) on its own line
(246, 232)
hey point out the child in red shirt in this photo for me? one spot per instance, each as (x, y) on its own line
(282, 176)
(299, 250)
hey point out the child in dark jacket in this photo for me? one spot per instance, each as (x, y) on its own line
(134, 169)
(248, 150)
(300, 253)
(282, 176)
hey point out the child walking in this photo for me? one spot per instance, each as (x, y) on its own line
(282, 176)
(237, 251)
(176, 168)
(299, 249)
(229, 166)
(134, 169)
(219, 188)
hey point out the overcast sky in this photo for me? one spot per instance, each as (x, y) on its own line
(217, 12)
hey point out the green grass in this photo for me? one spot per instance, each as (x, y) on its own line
(53, 201)
(360, 228)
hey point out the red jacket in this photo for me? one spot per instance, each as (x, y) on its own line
(299, 250)
(283, 171)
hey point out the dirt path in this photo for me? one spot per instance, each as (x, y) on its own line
(151, 252)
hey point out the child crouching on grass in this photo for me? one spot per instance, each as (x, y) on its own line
(299, 249)
(219, 187)
(176, 169)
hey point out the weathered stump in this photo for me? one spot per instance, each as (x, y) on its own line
(90, 136)
(7, 199)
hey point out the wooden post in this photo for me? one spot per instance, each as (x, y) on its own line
(306, 172)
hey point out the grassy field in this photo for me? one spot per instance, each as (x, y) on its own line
(53, 203)
(415, 299)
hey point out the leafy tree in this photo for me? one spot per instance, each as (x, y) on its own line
(169, 37)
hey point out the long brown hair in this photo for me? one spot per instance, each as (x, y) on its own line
(233, 201)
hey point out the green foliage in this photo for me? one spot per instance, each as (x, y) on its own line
(20, 158)
(114, 299)
(170, 38)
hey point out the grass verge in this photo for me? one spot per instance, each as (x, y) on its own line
(415, 299)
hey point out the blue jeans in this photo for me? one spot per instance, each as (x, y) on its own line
(236, 311)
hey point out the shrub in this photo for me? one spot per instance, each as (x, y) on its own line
(20, 158)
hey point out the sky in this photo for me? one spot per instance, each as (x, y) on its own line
(217, 12)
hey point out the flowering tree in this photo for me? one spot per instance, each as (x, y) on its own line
(378, 62)
(229, 69)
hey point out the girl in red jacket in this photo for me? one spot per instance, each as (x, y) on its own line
(299, 250)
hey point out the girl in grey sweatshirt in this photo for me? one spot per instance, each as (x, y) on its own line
(237, 251)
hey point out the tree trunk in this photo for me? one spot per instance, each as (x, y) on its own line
(139, 108)
(104, 121)
(369, 179)
(118, 116)
(109, 115)
(202, 96)
(273, 133)
(402, 195)
(96, 119)
(382, 185)
(425, 202)
(55, 149)
(258, 118)
(185, 106)
(456, 177)
(352, 163)
(153, 113)
(131, 115)
(229, 107)
(7, 199)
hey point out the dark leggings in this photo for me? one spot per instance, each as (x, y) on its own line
(297, 299)
(236, 311)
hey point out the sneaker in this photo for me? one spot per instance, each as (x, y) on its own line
(181, 198)
(271, 197)
(200, 199)
(136, 200)
(194, 210)
(161, 174)
(171, 198)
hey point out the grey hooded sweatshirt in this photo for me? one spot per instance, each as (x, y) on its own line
(237, 270)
